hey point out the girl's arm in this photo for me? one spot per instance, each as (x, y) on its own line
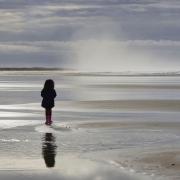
(42, 93)
(55, 94)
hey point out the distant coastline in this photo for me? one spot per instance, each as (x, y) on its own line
(89, 73)
(31, 69)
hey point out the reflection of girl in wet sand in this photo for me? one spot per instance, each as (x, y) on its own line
(48, 93)
(49, 150)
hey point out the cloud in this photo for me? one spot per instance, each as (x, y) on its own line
(22, 54)
(93, 54)
(41, 19)
(15, 49)
(39, 31)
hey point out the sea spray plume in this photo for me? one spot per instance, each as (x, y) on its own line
(102, 48)
(109, 56)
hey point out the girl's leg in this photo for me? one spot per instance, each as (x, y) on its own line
(46, 113)
(48, 116)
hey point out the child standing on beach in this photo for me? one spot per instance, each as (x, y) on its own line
(48, 94)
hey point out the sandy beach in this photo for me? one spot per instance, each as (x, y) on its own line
(162, 161)
(99, 132)
(132, 125)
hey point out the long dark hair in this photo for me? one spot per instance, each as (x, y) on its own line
(49, 84)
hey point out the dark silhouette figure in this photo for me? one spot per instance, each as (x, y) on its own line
(48, 94)
(49, 150)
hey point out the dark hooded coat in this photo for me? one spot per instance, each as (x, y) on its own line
(48, 98)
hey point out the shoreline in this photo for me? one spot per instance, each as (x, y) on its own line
(130, 125)
(76, 72)
(157, 161)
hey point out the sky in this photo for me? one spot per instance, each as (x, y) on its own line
(91, 35)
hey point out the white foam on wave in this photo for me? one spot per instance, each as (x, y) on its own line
(44, 129)
(10, 140)
(7, 124)
(53, 128)
(14, 140)
(28, 106)
(9, 114)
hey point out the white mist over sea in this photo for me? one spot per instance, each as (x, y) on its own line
(104, 48)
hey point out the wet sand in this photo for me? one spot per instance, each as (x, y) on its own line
(150, 105)
(159, 161)
(68, 167)
(131, 125)
(120, 127)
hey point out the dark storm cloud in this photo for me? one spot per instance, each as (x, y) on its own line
(22, 3)
(60, 33)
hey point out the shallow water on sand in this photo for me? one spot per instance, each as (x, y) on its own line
(92, 114)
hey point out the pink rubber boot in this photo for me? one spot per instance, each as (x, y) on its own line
(49, 120)
(46, 120)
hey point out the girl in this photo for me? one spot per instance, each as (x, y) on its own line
(48, 93)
